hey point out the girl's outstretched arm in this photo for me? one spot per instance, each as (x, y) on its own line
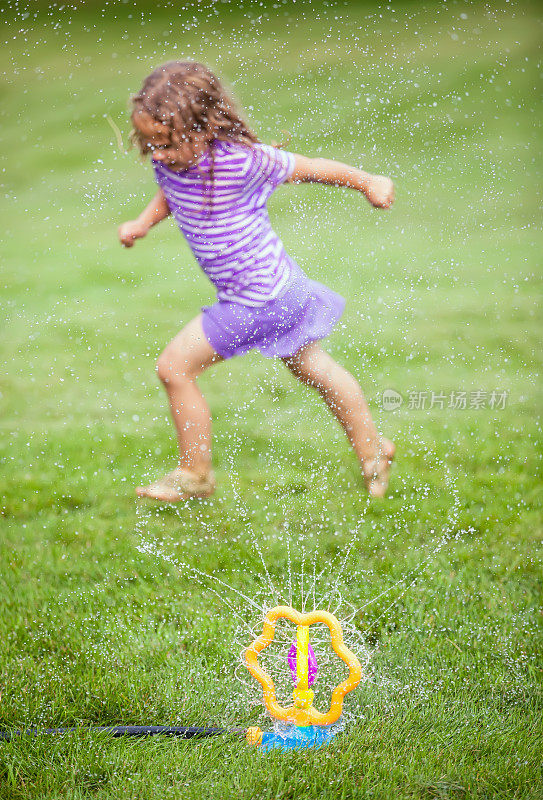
(377, 189)
(157, 210)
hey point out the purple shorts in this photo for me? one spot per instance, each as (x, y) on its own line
(303, 312)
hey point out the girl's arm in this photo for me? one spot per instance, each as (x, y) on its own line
(157, 210)
(377, 189)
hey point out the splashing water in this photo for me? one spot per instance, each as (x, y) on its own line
(304, 585)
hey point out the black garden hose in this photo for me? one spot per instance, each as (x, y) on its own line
(184, 732)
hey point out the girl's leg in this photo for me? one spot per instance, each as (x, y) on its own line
(183, 360)
(343, 396)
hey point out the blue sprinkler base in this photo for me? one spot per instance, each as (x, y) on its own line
(297, 738)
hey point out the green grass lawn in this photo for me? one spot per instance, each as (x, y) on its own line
(117, 611)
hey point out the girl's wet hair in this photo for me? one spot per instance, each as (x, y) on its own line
(185, 105)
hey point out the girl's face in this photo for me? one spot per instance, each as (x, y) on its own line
(155, 138)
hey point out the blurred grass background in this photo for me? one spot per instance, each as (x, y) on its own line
(442, 297)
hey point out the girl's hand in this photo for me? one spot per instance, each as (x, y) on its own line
(380, 191)
(130, 231)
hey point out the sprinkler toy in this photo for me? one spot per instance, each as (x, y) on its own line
(305, 725)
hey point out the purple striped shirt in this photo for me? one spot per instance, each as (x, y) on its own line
(228, 228)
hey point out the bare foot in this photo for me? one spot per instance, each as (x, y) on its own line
(180, 484)
(377, 471)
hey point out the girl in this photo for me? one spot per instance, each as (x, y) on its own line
(215, 177)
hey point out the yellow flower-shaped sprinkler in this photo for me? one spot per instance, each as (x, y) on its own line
(309, 727)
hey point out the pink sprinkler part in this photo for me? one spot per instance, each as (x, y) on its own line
(312, 664)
